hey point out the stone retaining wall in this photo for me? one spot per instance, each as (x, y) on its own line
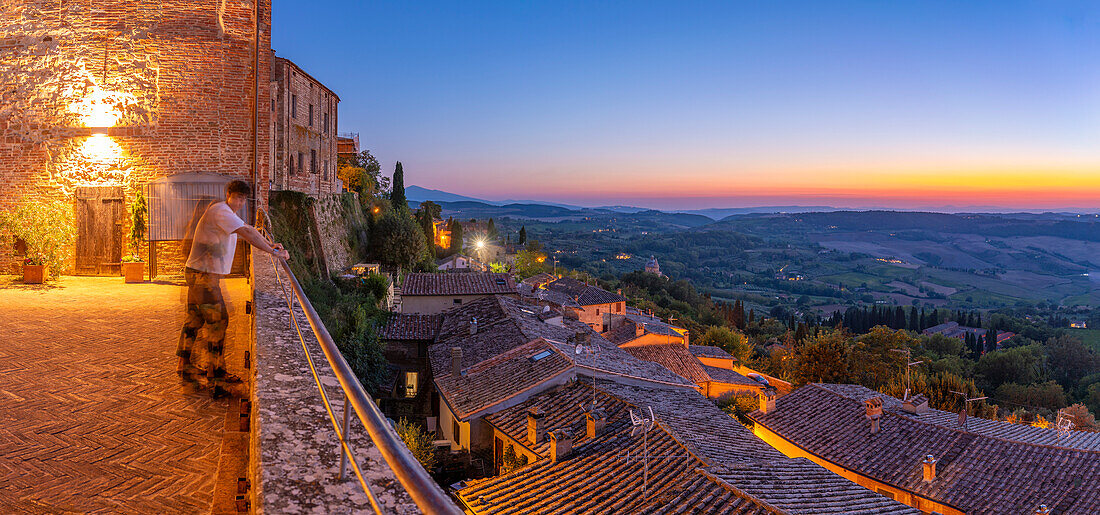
(295, 452)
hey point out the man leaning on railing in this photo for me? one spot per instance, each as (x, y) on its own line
(211, 258)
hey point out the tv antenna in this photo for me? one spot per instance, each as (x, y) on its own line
(966, 407)
(908, 364)
(642, 426)
(1063, 424)
(592, 349)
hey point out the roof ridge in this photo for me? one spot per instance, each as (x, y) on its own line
(893, 412)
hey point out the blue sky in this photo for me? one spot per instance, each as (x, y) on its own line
(698, 104)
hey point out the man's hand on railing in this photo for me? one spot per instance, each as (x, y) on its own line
(279, 251)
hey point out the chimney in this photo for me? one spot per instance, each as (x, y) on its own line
(535, 429)
(561, 444)
(596, 420)
(767, 400)
(473, 326)
(916, 405)
(639, 329)
(873, 412)
(619, 292)
(456, 362)
(929, 465)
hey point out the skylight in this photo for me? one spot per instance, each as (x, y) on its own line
(541, 355)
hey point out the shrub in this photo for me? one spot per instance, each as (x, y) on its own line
(739, 405)
(419, 442)
(46, 227)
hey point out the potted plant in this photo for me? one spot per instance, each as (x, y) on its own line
(133, 269)
(46, 227)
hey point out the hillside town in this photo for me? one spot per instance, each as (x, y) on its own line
(399, 358)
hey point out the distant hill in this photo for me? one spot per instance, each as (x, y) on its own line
(419, 194)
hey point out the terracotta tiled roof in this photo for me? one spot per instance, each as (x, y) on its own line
(702, 461)
(411, 326)
(674, 357)
(582, 294)
(473, 283)
(710, 351)
(725, 375)
(501, 378)
(992, 468)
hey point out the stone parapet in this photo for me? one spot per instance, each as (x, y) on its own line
(295, 451)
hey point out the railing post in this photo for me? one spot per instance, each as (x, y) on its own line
(344, 438)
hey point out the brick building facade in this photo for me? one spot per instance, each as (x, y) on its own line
(304, 128)
(103, 100)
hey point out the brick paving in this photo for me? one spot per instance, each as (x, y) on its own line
(92, 416)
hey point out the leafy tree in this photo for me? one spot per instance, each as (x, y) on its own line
(1048, 395)
(1022, 365)
(944, 345)
(529, 263)
(872, 363)
(739, 405)
(731, 341)
(1070, 360)
(824, 359)
(498, 268)
(419, 443)
(397, 194)
(397, 239)
(361, 173)
(1082, 418)
(433, 210)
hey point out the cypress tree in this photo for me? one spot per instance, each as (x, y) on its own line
(397, 194)
(522, 235)
(456, 237)
(491, 229)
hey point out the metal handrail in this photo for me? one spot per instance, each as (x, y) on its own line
(427, 495)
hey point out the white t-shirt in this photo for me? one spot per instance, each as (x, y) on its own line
(215, 242)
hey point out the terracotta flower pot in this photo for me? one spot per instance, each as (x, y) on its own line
(34, 274)
(134, 272)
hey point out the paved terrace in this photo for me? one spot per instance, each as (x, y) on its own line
(92, 416)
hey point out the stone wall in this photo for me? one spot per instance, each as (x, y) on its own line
(336, 217)
(298, 137)
(174, 78)
(295, 451)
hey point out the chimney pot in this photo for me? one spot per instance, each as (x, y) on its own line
(767, 400)
(561, 444)
(473, 326)
(596, 420)
(456, 362)
(929, 467)
(873, 412)
(535, 429)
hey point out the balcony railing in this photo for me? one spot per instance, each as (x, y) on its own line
(427, 495)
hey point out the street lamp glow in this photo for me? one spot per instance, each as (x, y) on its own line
(480, 244)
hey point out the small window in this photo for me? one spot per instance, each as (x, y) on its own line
(313, 161)
(456, 432)
(293, 106)
(411, 384)
(501, 281)
(326, 122)
(290, 165)
(542, 355)
(301, 162)
(885, 493)
(311, 115)
(457, 301)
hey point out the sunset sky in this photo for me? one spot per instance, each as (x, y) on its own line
(727, 104)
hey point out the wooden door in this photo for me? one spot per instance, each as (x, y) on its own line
(99, 212)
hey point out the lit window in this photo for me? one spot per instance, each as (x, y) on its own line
(411, 384)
